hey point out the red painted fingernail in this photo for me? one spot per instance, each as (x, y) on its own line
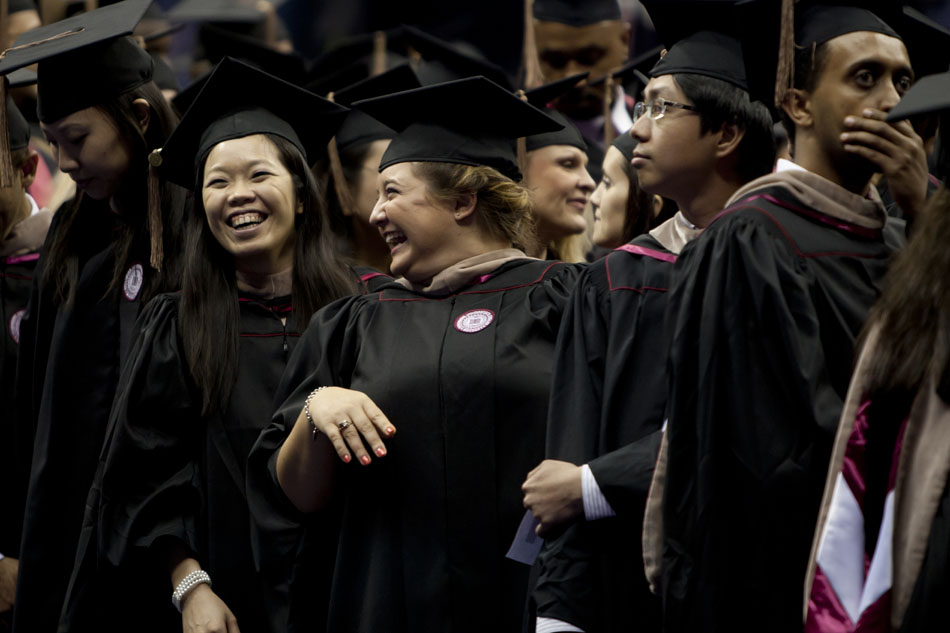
(365, 459)
(380, 451)
(390, 430)
(346, 459)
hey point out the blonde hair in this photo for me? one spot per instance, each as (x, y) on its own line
(503, 207)
(570, 248)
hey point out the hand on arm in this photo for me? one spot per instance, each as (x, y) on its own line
(897, 151)
(552, 491)
(344, 418)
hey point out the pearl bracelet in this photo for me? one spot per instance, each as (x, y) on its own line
(306, 409)
(188, 583)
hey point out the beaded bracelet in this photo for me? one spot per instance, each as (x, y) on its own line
(188, 583)
(306, 409)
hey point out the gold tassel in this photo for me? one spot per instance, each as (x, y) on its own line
(529, 51)
(522, 147)
(6, 160)
(379, 53)
(270, 22)
(343, 195)
(608, 123)
(785, 69)
(155, 226)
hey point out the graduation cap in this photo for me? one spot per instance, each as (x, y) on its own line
(625, 144)
(360, 128)
(700, 37)
(185, 97)
(356, 58)
(21, 78)
(769, 48)
(576, 12)
(443, 61)
(541, 97)
(635, 73)
(468, 121)
(219, 43)
(930, 95)
(83, 60)
(239, 100)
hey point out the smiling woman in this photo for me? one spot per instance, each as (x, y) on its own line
(455, 355)
(200, 379)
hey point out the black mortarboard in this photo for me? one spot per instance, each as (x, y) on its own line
(543, 95)
(700, 37)
(352, 59)
(576, 12)
(238, 100)
(22, 77)
(17, 126)
(83, 60)
(469, 121)
(443, 61)
(930, 95)
(635, 74)
(625, 143)
(219, 43)
(817, 22)
(360, 128)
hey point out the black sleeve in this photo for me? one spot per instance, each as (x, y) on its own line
(150, 482)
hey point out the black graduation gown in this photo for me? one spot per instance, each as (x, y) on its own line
(66, 375)
(16, 276)
(607, 405)
(767, 306)
(169, 472)
(465, 379)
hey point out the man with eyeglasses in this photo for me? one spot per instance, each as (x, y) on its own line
(700, 138)
(590, 36)
(765, 308)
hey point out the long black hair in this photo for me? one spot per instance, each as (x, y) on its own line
(208, 318)
(69, 236)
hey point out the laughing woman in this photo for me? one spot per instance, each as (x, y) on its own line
(200, 380)
(455, 354)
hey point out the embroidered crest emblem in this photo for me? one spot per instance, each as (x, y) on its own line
(474, 321)
(134, 277)
(14, 324)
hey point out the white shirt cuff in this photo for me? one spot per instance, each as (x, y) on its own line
(551, 625)
(596, 505)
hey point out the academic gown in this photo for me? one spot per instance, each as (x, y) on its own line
(66, 375)
(607, 405)
(767, 305)
(16, 276)
(465, 379)
(170, 473)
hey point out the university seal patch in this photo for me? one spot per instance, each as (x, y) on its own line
(14, 325)
(134, 277)
(474, 321)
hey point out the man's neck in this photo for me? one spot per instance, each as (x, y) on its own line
(707, 202)
(809, 156)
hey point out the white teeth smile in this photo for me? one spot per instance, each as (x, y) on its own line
(245, 220)
(392, 239)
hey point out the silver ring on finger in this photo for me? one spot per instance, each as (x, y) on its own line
(343, 424)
